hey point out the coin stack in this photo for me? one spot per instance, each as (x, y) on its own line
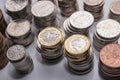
(3, 23)
(68, 7)
(115, 10)
(49, 44)
(78, 22)
(107, 31)
(18, 9)
(95, 7)
(20, 59)
(109, 62)
(44, 13)
(19, 32)
(3, 51)
(78, 53)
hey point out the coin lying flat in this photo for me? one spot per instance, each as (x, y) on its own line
(93, 2)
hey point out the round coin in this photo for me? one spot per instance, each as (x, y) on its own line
(93, 2)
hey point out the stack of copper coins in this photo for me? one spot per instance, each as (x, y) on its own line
(79, 54)
(44, 13)
(50, 41)
(20, 59)
(107, 31)
(3, 51)
(18, 9)
(109, 62)
(115, 10)
(67, 7)
(78, 22)
(95, 7)
(3, 23)
(19, 32)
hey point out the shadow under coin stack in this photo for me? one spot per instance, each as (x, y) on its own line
(3, 51)
(78, 22)
(115, 10)
(18, 9)
(50, 41)
(44, 13)
(79, 54)
(19, 32)
(109, 62)
(3, 23)
(68, 7)
(95, 7)
(20, 59)
(107, 31)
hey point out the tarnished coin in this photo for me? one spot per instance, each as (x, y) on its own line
(110, 55)
(108, 28)
(43, 8)
(93, 2)
(77, 44)
(18, 28)
(81, 19)
(16, 52)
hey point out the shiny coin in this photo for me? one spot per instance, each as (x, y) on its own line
(93, 2)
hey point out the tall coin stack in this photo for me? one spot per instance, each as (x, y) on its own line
(107, 31)
(20, 59)
(95, 7)
(109, 62)
(78, 22)
(78, 53)
(3, 23)
(67, 7)
(3, 51)
(18, 9)
(115, 10)
(50, 41)
(19, 32)
(44, 13)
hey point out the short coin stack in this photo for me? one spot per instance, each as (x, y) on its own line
(78, 53)
(107, 31)
(115, 10)
(50, 42)
(78, 22)
(95, 7)
(20, 59)
(18, 9)
(3, 51)
(3, 23)
(19, 32)
(44, 13)
(109, 62)
(68, 7)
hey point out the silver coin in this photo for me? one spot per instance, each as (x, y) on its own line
(93, 2)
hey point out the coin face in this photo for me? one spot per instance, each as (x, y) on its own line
(110, 55)
(16, 52)
(18, 28)
(43, 8)
(108, 28)
(17, 5)
(115, 7)
(77, 44)
(50, 36)
(81, 19)
(93, 2)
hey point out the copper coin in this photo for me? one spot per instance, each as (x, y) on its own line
(110, 55)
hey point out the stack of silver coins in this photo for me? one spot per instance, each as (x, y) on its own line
(50, 41)
(18, 9)
(79, 54)
(115, 10)
(67, 7)
(95, 7)
(19, 32)
(44, 13)
(78, 22)
(20, 59)
(107, 31)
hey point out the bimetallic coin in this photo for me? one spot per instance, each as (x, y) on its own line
(93, 2)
